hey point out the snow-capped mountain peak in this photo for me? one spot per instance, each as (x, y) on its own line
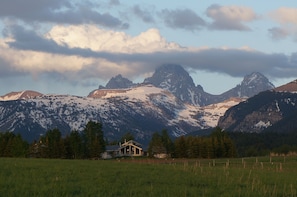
(177, 80)
(139, 92)
(170, 77)
(251, 85)
(256, 79)
(27, 94)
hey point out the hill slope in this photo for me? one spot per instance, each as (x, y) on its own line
(274, 110)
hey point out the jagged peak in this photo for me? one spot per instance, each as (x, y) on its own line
(169, 74)
(118, 82)
(251, 85)
(255, 78)
(255, 81)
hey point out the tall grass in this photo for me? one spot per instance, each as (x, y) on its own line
(234, 177)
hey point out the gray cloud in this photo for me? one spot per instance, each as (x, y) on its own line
(30, 40)
(8, 70)
(57, 11)
(145, 15)
(278, 33)
(114, 2)
(233, 62)
(182, 19)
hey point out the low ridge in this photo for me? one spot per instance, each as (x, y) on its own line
(289, 87)
(27, 94)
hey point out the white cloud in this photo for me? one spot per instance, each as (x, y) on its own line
(285, 15)
(230, 17)
(96, 39)
(287, 18)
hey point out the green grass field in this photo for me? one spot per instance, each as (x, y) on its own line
(144, 177)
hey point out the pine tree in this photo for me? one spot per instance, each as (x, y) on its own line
(54, 144)
(19, 146)
(93, 140)
(167, 142)
(156, 145)
(180, 147)
(74, 145)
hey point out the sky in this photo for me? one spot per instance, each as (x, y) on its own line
(72, 47)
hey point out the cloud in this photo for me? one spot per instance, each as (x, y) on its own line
(287, 18)
(55, 11)
(114, 2)
(278, 33)
(145, 15)
(182, 19)
(285, 15)
(230, 17)
(74, 57)
(108, 40)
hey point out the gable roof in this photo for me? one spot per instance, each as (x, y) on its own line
(131, 142)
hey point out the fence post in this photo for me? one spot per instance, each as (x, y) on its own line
(227, 163)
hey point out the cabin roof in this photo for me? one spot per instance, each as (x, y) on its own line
(131, 142)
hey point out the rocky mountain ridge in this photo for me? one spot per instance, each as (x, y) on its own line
(169, 99)
(273, 110)
(177, 80)
(141, 110)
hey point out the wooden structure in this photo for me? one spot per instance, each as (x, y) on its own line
(129, 148)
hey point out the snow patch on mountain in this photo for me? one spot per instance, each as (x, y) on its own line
(262, 124)
(26, 94)
(143, 110)
(213, 112)
(11, 96)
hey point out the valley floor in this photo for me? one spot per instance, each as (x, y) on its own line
(276, 176)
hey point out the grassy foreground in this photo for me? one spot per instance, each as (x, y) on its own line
(134, 177)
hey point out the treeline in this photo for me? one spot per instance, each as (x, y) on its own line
(87, 144)
(217, 145)
(90, 143)
(261, 144)
(12, 145)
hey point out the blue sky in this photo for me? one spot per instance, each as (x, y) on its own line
(72, 47)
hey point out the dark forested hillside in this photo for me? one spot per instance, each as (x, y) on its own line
(269, 110)
(260, 144)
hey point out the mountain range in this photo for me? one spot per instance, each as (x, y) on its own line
(168, 99)
(177, 80)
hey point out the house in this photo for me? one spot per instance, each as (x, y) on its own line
(129, 148)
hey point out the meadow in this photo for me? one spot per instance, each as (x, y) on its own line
(276, 176)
